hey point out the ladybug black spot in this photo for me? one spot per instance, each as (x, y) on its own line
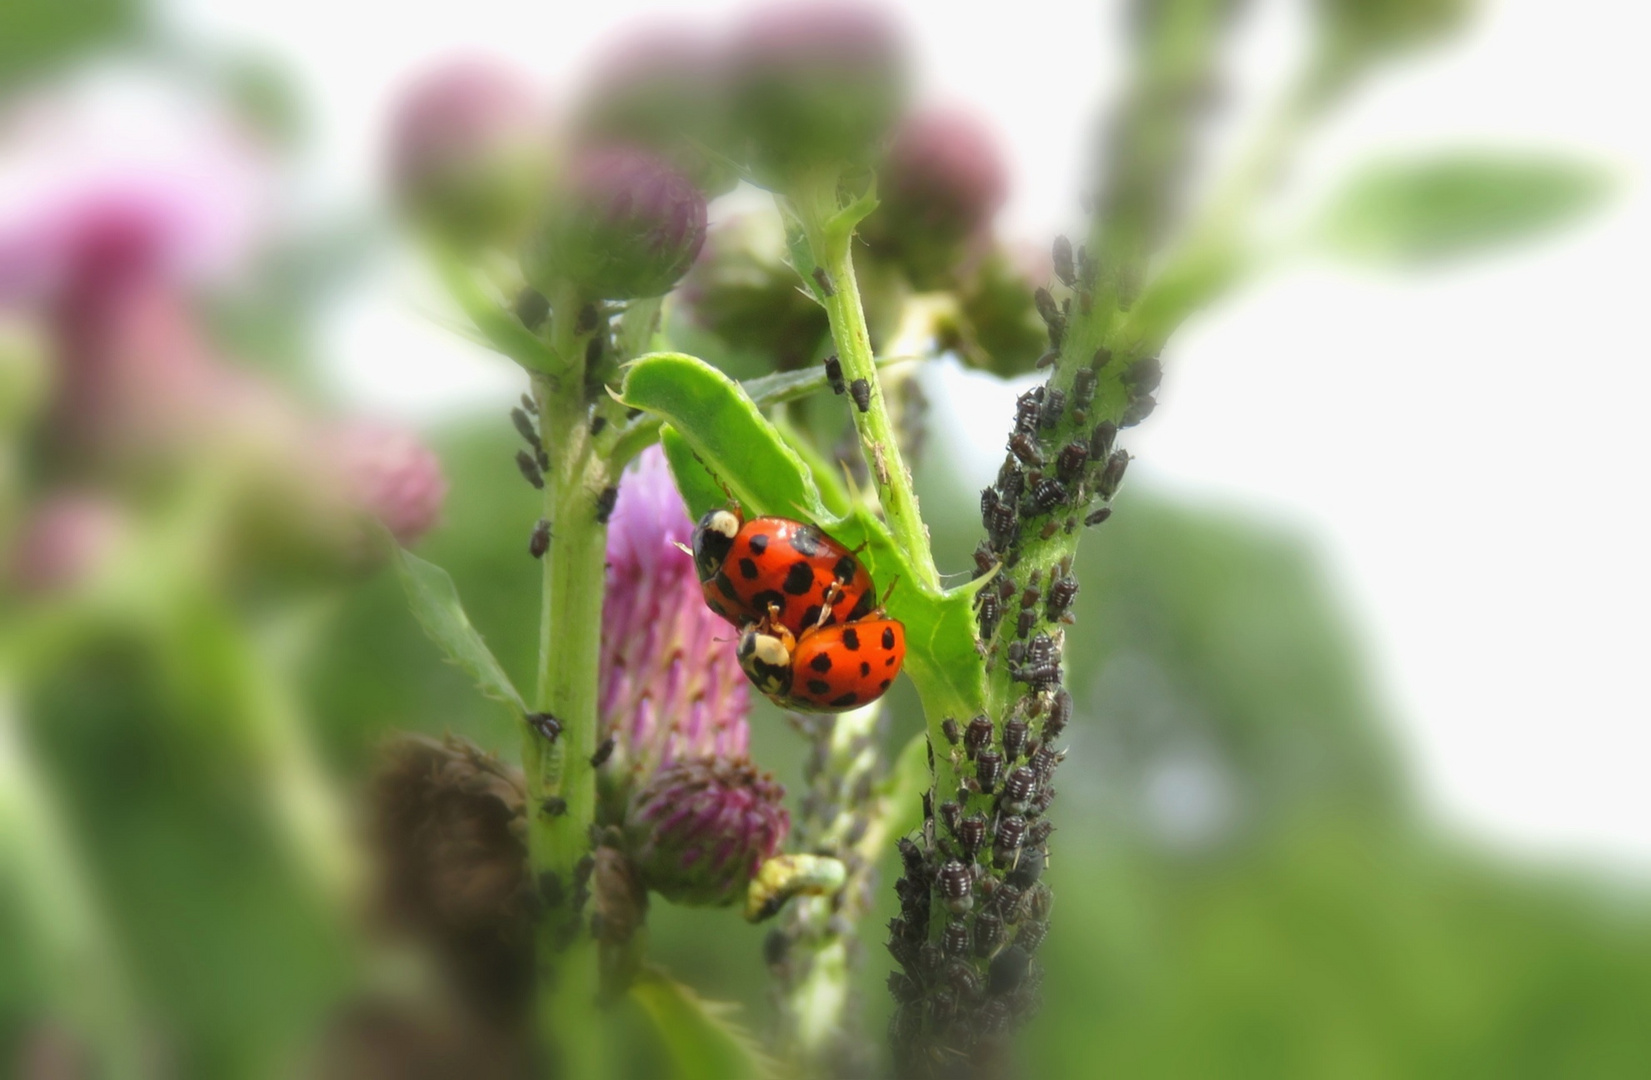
(851, 639)
(845, 700)
(844, 570)
(865, 668)
(811, 616)
(759, 544)
(725, 585)
(799, 579)
(821, 663)
(806, 541)
(768, 598)
(863, 606)
(884, 685)
(888, 637)
(818, 686)
(748, 569)
(889, 662)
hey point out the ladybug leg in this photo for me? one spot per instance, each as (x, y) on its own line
(888, 592)
(833, 593)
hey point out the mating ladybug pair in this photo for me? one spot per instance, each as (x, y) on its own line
(811, 634)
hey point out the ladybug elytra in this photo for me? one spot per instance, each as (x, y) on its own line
(775, 568)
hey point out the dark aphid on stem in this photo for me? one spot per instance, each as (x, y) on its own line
(988, 933)
(542, 459)
(989, 615)
(1138, 409)
(605, 502)
(985, 559)
(1065, 269)
(1025, 448)
(1001, 525)
(1083, 387)
(860, 391)
(1102, 357)
(1015, 731)
(597, 423)
(1030, 597)
(977, 735)
(538, 542)
(524, 427)
(1050, 528)
(955, 884)
(1043, 762)
(1040, 802)
(1018, 788)
(1011, 479)
(1017, 653)
(1011, 832)
(1028, 407)
(971, 836)
(1006, 588)
(988, 769)
(1007, 901)
(823, 280)
(1113, 474)
(530, 469)
(951, 816)
(1054, 403)
(1047, 360)
(593, 354)
(1061, 594)
(1059, 715)
(547, 725)
(1039, 833)
(1048, 310)
(1100, 440)
(1144, 375)
(949, 727)
(1073, 457)
(587, 321)
(530, 405)
(903, 988)
(604, 751)
(911, 857)
(834, 375)
(1031, 935)
(1046, 495)
(962, 978)
(1095, 517)
(532, 308)
(989, 501)
(1025, 621)
(553, 806)
(1007, 970)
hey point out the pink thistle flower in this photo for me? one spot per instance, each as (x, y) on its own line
(700, 829)
(390, 474)
(64, 541)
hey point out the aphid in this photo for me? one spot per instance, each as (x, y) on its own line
(1039, 833)
(542, 459)
(545, 724)
(903, 987)
(777, 568)
(1006, 588)
(1040, 802)
(1144, 375)
(538, 542)
(1001, 524)
(1047, 359)
(1011, 480)
(1050, 528)
(1025, 621)
(988, 768)
(553, 806)
(1011, 831)
(988, 933)
(860, 391)
(961, 977)
(984, 559)
(587, 320)
(1095, 517)
(1073, 456)
(1100, 440)
(1017, 652)
(1030, 597)
(1015, 730)
(834, 374)
(524, 427)
(989, 501)
(529, 404)
(1025, 448)
(606, 500)
(1028, 407)
(971, 836)
(950, 729)
(954, 940)
(1054, 403)
(942, 1008)
(1007, 970)
(1045, 496)
(1083, 387)
(1031, 935)
(1061, 594)
(593, 353)
(988, 616)
(1048, 310)
(823, 280)
(1138, 409)
(1064, 268)
(1044, 761)
(951, 816)
(530, 469)
(954, 883)
(978, 734)
(1102, 357)
(597, 423)
(604, 751)
(532, 308)
(1018, 788)
(1113, 474)
(1007, 901)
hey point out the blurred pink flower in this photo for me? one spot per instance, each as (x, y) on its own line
(671, 686)
(390, 474)
(64, 540)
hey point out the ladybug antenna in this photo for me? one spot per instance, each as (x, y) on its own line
(889, 591)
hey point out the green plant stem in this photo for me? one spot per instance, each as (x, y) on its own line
(830, 232)
(87, 982)
(570, 638)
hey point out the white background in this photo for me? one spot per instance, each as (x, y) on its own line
(1468, 447)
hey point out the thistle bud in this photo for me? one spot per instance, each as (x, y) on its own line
(699, 830)
(624, 224)
(816, 83)
(391, 475)
(466, 151)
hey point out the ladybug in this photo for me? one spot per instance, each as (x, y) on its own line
(774, 568)
(826, 669)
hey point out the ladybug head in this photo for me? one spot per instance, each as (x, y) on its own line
(765, 657)
(713, 539)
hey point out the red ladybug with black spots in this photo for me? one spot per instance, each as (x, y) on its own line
(775, 568)
(827, 668)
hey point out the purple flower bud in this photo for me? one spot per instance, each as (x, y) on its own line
(389, 474)
(623, 224)
(940, 184)
(671, 685)
(662, 88)
(816, 83)
(699, 829)
(465, 146)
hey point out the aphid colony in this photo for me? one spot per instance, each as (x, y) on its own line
(811, 634)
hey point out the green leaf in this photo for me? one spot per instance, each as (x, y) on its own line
(434, 601)
(721, 438)
(905, 785)
(496, 323)
(1455, 205)
(703, 1041)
